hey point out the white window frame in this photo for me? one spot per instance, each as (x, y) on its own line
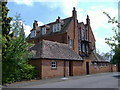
(33, 33)
(57, 27)
(54, 65)
(43, 30)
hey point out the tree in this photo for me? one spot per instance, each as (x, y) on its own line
(17, 26)
(107, 56)
(114, 42)
(15, 53)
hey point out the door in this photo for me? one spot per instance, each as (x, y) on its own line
(70, 68)
(87, 67)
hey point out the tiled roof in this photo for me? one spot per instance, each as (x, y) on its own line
(64, 28)
(96, 57)
(99, 57)
(54, 50)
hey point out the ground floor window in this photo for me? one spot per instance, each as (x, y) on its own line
(53, 64)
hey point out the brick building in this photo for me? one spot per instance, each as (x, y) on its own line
(66, 47)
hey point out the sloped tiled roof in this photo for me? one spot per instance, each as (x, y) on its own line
(99, 57)
(54, 50)
(96, 57)
(64, 28)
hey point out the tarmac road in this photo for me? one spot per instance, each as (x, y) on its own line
(103, 80)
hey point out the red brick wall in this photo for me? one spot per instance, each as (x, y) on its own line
(61, 38)
(73, 34)
(37, 64)
(99, 69)
(113, 68)
(47, 72)
(78, 68)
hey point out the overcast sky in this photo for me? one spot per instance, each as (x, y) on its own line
(45, 12)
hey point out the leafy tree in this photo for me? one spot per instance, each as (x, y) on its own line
(15, 53)
(114, 42)
(0, 43)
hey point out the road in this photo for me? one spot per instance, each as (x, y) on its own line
(104, 80)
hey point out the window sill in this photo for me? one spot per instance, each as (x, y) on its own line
(53, 68)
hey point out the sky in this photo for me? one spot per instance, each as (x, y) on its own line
(46, 11)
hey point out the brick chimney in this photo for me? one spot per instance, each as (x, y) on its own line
(88, 28)
(88, 20)
(74, 13)
(58, 19)
(35, 24)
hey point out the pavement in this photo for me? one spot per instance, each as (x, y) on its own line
(99, 80)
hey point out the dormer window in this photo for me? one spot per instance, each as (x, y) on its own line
(43, 30)
(57, 27)
(82, 32)
(33, 34)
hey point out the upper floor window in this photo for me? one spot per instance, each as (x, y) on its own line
(33, 33)
(82, 34)
(70, 42)
(86, 48)
(79, 46)
(43, 30)
(57, 27)
(83, 47)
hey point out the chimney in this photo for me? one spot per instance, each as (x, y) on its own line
(35, 24)
(58, 19)
(88, 20)
(74, 13)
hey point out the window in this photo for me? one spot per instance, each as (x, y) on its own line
(79, 46)
(70, 42)
(43, 30)
(82, 34)
(33, 33)
(83, 47)
(56, 27)
(53, 64)
(87, 48)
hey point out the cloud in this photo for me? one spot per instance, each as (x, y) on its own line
(101, 45)
(40, 23)
(25, 2)
(27, 29)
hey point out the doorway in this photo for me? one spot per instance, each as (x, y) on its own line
(87, 67)
(70, 68)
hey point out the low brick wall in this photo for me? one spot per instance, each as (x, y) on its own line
(78, 68)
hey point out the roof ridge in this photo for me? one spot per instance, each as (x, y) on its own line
(55, 21)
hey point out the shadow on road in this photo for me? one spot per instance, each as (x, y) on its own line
(117, 76)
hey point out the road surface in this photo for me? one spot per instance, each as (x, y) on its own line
(104, 80)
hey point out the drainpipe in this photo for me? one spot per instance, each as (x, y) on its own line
(64, 68)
